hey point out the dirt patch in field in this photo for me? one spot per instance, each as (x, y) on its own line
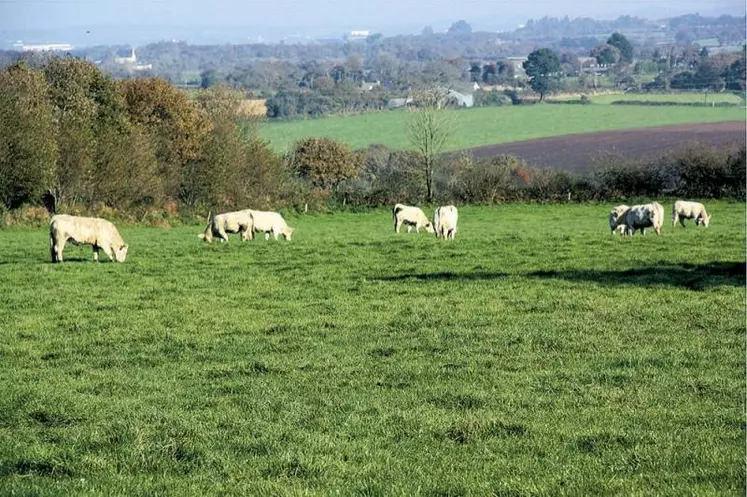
(579, 152)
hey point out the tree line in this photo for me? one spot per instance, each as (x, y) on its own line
(73, 139)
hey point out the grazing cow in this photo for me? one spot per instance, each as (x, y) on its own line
(640, 217)
(99, 233)
(617, 218)
(410, 216)
(683, 209)
(270, 222)
(229, 222)
(445, 222)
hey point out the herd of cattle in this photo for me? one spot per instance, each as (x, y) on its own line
(627, 219)
(103, 235)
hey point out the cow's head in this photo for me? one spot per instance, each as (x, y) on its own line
(287, 232)
(120, 253)
(429, 228)
(704, 220)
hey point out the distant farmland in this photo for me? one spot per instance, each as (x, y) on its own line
(578, 152)
(496, 125)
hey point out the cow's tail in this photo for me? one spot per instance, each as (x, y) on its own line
(397, 208)
(205, 233)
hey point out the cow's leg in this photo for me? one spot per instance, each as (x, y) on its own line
(409, 228)
(52, 250)
(108, 251)
(675, 218)
(95, 253)
(222, 235)
(682, 221)
(59, 247)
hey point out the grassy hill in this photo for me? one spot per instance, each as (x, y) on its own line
(494, 125)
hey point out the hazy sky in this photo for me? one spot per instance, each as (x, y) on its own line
(353, 14)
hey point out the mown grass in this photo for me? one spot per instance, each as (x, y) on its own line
(492, 125)
(534, 355)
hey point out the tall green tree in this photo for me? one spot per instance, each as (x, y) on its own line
(620, 42)
(28, 150)
(544, 71)
(175, 126)
(71, 92)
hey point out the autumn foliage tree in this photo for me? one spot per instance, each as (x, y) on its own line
(323, 162)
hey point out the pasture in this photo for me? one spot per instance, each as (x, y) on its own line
(493, 125)
(534, 355)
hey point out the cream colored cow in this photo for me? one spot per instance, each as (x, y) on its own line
(617, 218)
(229, 222)
(682, 209)
(99, 233)
(640, 217)
(270, 223)
(410, 216)
(445, 222)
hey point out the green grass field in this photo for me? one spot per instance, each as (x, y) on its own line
(534, 355)
(493, 125)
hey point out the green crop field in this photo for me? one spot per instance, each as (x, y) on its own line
(534, 355)
(493, 125)
(669, 97)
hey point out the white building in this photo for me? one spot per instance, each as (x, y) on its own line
(48, 47)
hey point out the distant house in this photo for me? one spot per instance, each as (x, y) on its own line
(518, 65)
(396, 103)
(460, 99)
(368, 86)
(49, 47)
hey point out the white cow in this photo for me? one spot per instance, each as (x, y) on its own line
(640, 217)
(682, 209)
(270, 222)
(99, 233)
(617, 218)
(229, 222)
(410, 216)
(445, 222)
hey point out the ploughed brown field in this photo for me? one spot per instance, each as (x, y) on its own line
(580, 151)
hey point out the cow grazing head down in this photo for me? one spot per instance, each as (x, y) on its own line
(429, 228)
(287, 232)
(704, 220)
(120, 253)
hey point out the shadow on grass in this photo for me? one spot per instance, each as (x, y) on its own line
(443, 276)
(692, 276)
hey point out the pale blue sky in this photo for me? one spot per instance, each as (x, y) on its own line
(334, 13)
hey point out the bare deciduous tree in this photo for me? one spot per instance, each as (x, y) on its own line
(429, 127)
